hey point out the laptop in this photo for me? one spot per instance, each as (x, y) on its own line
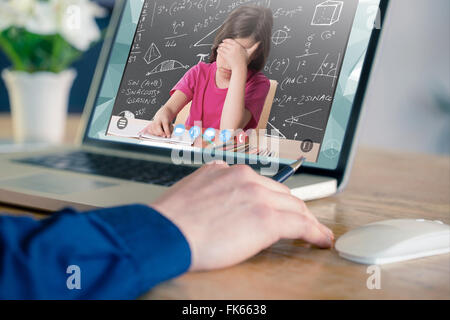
(322, 53)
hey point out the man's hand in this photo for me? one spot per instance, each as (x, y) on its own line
(235, 54)
(229, 214)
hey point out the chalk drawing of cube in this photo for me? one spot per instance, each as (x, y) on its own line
(327, 13)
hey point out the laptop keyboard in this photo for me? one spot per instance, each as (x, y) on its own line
(112, 166)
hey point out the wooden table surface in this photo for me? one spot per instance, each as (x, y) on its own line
(383, 185)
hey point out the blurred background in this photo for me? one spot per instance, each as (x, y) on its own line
(407, 107)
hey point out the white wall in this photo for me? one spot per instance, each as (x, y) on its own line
(412, 65)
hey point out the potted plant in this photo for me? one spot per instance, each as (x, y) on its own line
(42, 38)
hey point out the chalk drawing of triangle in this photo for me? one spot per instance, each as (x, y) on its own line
(152, 54)
(208, 40)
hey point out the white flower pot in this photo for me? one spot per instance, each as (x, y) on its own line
(39, 103)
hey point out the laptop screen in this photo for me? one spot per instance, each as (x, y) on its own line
(213, 76)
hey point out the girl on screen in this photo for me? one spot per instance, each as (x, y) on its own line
(229, 92)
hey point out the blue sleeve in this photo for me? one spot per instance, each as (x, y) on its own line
(117, 253)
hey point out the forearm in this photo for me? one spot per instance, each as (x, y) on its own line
(233, 113)
(175, 104)
(120, 252)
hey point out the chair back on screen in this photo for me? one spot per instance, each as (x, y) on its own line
(264, 119)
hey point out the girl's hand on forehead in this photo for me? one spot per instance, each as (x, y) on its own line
(235, 54)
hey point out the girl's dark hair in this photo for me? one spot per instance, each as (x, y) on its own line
(245, 22)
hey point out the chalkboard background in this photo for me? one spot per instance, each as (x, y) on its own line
(308, 46)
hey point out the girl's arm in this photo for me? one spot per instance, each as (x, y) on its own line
(176, 103)
(162, 122)
(235, 115)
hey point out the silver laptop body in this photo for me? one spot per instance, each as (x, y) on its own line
(51, 189)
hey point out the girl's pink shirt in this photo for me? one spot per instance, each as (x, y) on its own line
(199, 86)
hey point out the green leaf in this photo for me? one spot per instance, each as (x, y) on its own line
(32, 52)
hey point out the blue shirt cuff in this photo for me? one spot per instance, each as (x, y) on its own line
(159, 248)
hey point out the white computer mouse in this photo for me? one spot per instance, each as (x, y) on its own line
(394, 240)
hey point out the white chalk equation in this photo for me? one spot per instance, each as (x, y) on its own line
(178, 7)
(172, 40)
(287, 99)
(289, 13)
(307, 52)
(177, 25)
(290, 81)
(136, 45)
(277, 65)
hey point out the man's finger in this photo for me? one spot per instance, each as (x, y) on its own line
(209, 172)
(245, 172)
(283, 201)
(286, 202)
(306, 212)
(218, 162)
(293, 226)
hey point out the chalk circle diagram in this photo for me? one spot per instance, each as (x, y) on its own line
(327, 35)
(152, 54)
(168, 65)
(281, 36)
(327, 13)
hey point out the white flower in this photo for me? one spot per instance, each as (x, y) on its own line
(14, 12)
(74, 20)
(5, 18)
(42, 19)
(77, 22)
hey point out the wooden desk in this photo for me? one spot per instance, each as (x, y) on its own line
(71, 131)
(384, 185)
